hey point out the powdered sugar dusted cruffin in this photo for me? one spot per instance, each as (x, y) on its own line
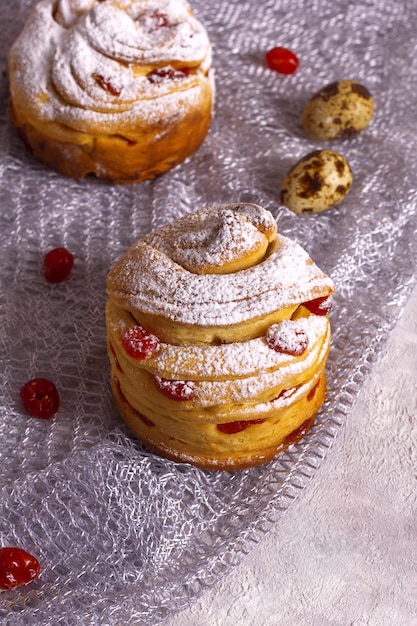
(239, 369)
(122, 89)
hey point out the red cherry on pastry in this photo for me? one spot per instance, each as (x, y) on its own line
(153, 21)
(57, 264)
(312, 391)
(162, 73)
(107, 85)
(139, 343)
(144, 419)
(159, 19)
(286, 393)
(287, 337)
(282, 60)
(17, 567)
(40, 398)
(175, 389)
(230, 428)
(319, 306)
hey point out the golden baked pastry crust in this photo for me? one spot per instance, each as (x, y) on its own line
(119, 89)
(246, 349)
(207, 453)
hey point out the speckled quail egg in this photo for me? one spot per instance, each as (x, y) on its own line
(319, 181)
(339, 110)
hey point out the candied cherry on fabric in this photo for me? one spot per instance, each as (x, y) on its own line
(40, 398)
(17, 567)
(58, 263)
(282, 60)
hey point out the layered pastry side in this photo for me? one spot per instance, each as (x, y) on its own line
(218, 335)
(121, 89)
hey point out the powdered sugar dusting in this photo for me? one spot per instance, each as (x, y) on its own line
(287, 337)
(147, 279)
(179, 390)
(235, 385)
(220, 246)
(213, 238)
(65, 46)
(216, 363)
(215, 390)
(234, 372)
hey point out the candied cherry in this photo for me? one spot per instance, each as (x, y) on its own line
(230, 428)
(106, 85)
(139, 343)
(144, 419)
(286, 393)
(120, 392)
(297, 434)
(153, 21)
(180, 390)
(58, 264)
(17, 567)
(287, 337)
(282, 60)
(312, 391)
(319, 306)
(40, 398)
(162, 73)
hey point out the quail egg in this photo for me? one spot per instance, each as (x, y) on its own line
(339, 110)
(319, 181)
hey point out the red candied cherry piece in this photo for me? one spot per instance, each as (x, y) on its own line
(139, 343)
(286, 393)
(40, 398)
(162, 73)
(120, 392)
(180, 390)
(282, 60)
(17, 567)
(106, 85)
(312, 391)
(158, 19)
(153, 21)
(230, 428)
(319, 306)
(58, 263)
(287, 337)
(144, 419)
(297, 434)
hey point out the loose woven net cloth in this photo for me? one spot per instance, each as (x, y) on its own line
(124, 536)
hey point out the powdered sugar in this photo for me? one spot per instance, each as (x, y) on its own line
(148, 280)
(63, 48)
(287, 337)
(219, 389)
(243, 391)
(211, 239)
(136, 34)
(234, 372)
(179, 390)
(202, 362)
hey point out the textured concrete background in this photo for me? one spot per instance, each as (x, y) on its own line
(345, 553)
